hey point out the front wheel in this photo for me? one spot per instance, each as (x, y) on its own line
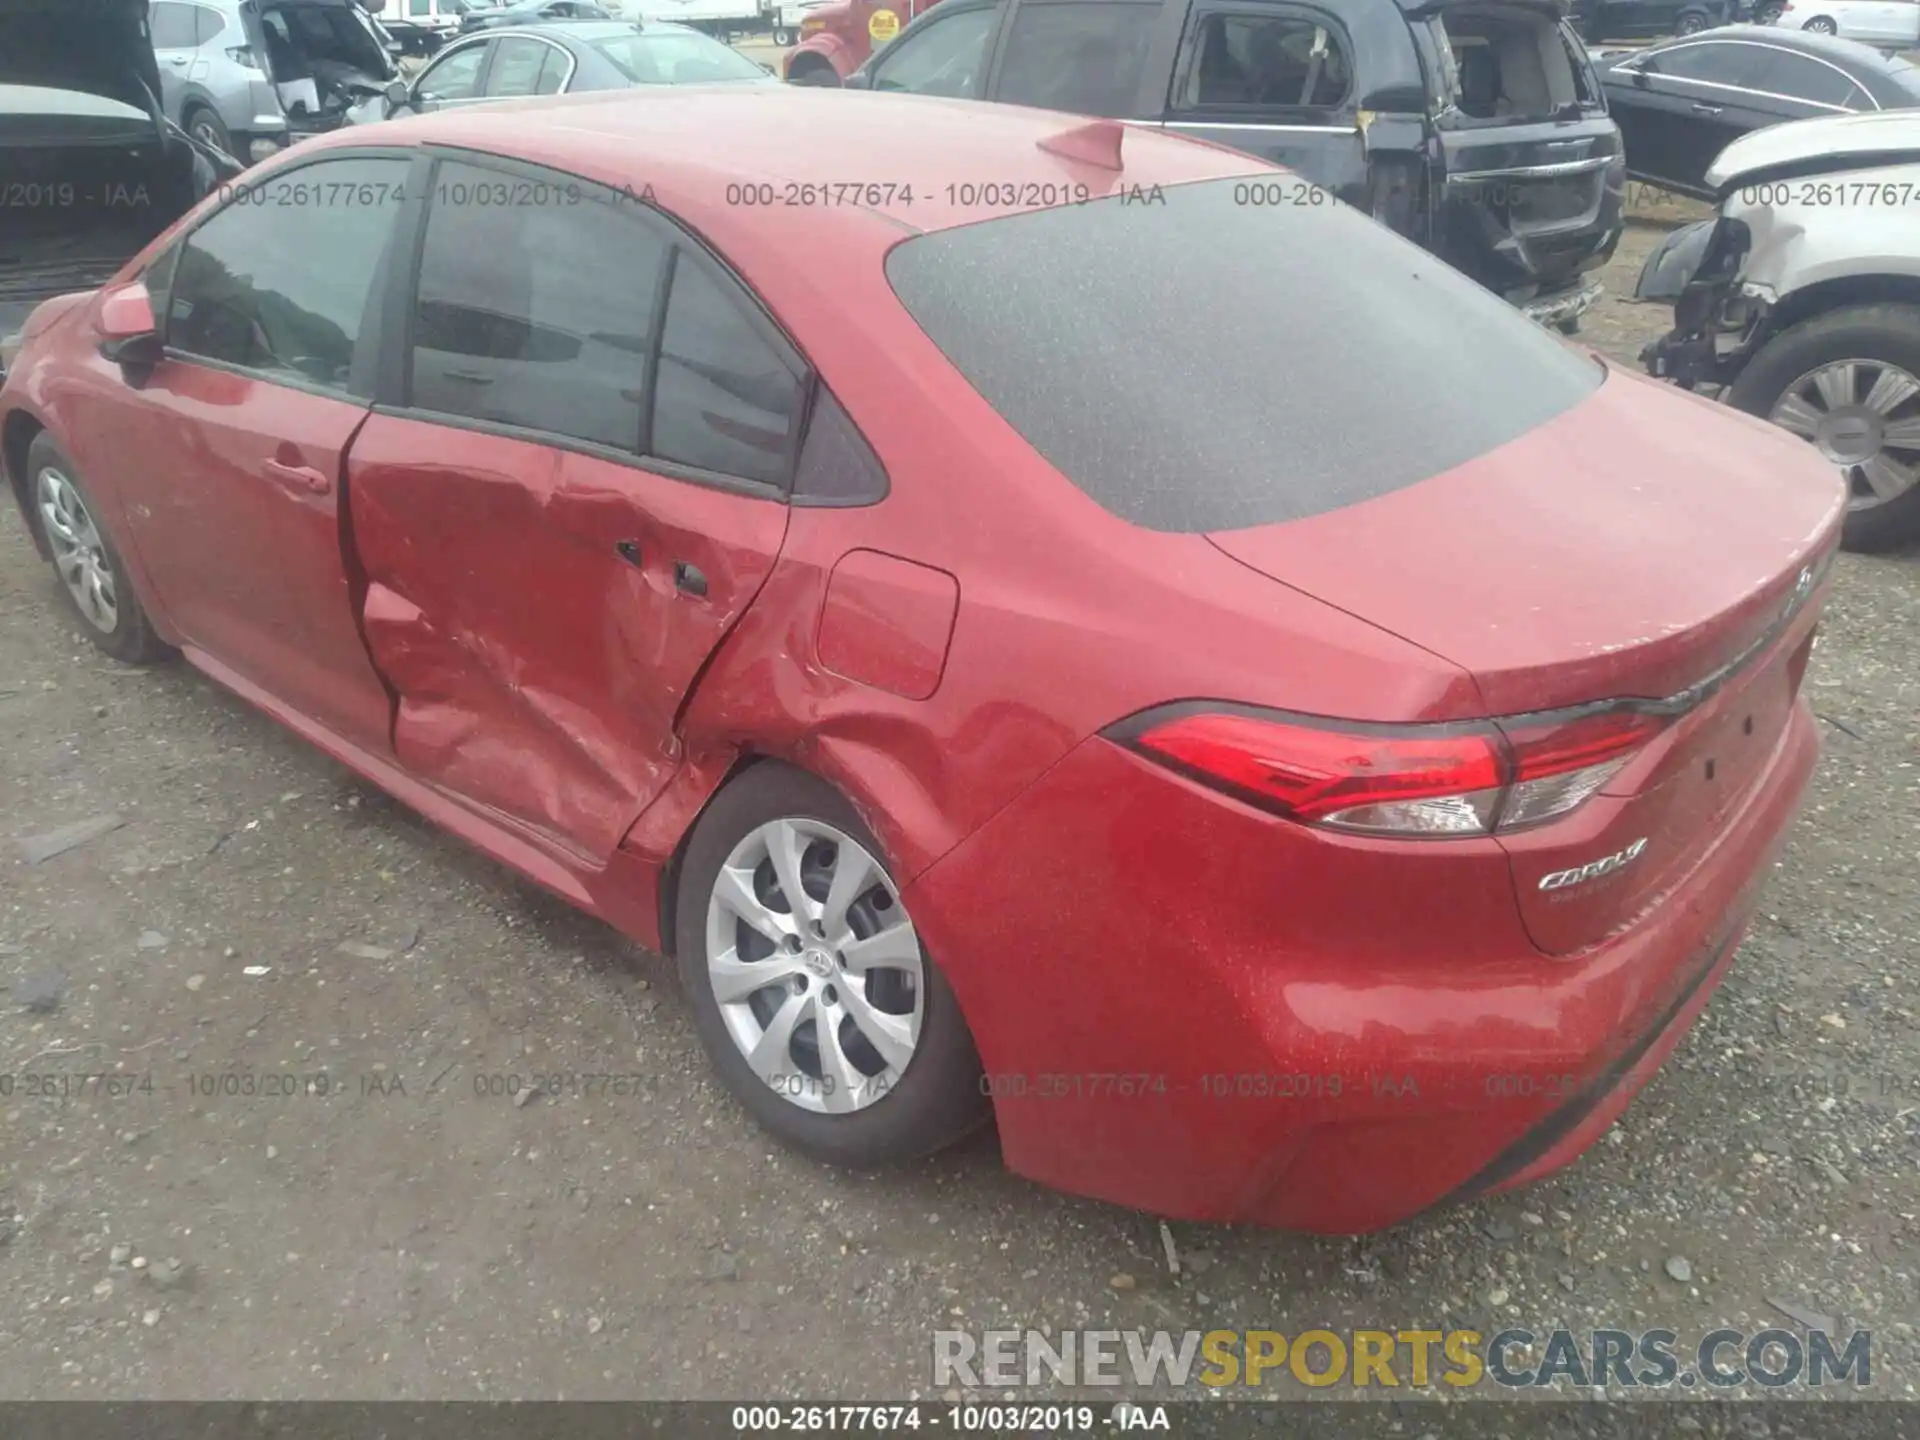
(1691, 23)
(93, 579)
(1820, 25)
(1848, 383)
(810, 987)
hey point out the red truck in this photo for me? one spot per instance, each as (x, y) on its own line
(835, 39)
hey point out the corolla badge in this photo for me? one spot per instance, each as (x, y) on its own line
(1561, 879)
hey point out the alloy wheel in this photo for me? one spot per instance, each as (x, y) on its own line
(79, 553)
(815, 965)
(1864, 416)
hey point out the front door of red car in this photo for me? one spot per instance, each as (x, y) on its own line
(575, 488)
(241, 431)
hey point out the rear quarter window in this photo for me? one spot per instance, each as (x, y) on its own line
(1213, 363)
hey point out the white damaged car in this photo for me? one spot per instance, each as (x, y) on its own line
(1801, 301)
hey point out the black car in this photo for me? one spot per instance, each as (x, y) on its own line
(563, 59)
(90, 169)
(1474, 127)
(1601, 20)
(533, 12)
(1679, 104)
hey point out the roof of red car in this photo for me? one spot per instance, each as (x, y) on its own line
(752, 151)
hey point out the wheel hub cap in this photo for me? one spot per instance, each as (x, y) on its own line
(1864, 417)
(79, 554)
(815, 966)
(1849, 437)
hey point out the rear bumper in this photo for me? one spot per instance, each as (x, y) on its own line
(1189, 1007)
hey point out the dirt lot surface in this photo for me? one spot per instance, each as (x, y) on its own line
(258, 913)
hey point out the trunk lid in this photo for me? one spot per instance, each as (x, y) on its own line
(98, 47)
(1533, 174)
(1631, 548)
(322, 58)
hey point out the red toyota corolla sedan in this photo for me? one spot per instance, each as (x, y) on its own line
(1032, 626)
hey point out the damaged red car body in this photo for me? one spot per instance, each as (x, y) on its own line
(1002, 653)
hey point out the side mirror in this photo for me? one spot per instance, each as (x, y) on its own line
(129, 335)
(398, 96)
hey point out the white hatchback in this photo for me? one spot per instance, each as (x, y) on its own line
(1884, 24)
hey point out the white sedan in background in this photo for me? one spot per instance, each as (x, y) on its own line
(1886, 24)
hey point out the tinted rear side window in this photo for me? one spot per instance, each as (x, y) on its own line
(534, 311)
(1209, 364)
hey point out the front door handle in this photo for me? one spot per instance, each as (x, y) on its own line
(690, 579)
(298, 478)
(1700, 107)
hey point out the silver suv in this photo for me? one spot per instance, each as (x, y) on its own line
(252, 76)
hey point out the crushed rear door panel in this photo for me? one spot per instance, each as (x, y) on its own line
(522, 603)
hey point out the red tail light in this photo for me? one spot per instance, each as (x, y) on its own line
(1398, 779)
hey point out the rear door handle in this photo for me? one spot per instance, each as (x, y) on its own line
(689, 578)
(299, 478)
(1700, 107)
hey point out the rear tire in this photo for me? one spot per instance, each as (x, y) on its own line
(1879, 341)
(782, 36)
(1691, 23)
(210, 129)
(1821, 25)
(92, 578)
(810, 1019)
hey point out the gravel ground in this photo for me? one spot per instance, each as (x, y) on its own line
(258, 912)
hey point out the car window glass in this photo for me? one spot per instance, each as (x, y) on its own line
(1804, 79)
(1267, 60)
(207, 24)
(535, 306)
(946, 57)
(670, 57)
(1193, 391)
(1718, 63)
(553, 71)
(455, 78)
(516, 66)
(1085, 57)
(420, 7)
(725, 399)
(281, 287)
(172, 26)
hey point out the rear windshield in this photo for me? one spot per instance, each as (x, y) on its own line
(676, 58)
(1232, 357)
